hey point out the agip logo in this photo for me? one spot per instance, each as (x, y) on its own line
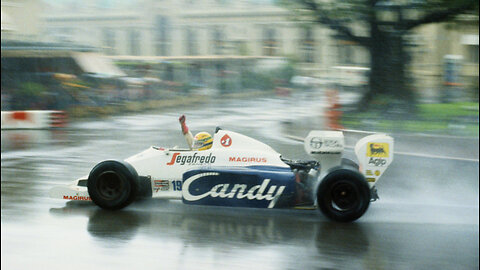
(377, 150)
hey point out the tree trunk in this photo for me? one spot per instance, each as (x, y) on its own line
(388, 86)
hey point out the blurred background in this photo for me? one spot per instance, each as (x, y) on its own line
(414, 60)
(118, 74)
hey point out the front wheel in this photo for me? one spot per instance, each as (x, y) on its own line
(343, 195)
(113, 184)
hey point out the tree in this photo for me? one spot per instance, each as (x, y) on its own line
(384, 40)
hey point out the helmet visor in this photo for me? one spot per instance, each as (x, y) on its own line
(197, 144)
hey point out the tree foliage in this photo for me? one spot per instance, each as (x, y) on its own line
(347, 16)
(361, 22)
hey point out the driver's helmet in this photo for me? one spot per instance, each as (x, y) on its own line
(202, 141)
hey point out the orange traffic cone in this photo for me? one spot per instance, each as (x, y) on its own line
(333, 112)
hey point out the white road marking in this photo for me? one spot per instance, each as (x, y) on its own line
(428, 155)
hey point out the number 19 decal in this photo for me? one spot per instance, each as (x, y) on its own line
(177, 185)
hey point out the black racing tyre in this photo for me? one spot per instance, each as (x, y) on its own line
(113, 184)
(343, 195)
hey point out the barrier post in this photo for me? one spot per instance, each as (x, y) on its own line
(333, 112)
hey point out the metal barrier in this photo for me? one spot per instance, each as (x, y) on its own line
(34, 119)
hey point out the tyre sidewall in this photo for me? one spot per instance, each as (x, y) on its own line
(356, 181)
(126, 174)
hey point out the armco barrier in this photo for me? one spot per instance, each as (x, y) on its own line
(33, 119)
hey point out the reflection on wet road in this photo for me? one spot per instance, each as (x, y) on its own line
(427, 217)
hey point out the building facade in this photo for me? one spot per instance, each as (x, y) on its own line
(192, 28)
(22, 19)
(438, 45)
(258, 28)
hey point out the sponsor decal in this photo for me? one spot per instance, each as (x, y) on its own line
(189, 159)
(226, 141)
(248, 159)
(316, 142)
(332, 143)
(370, 179)
(161, 185)
(377, 150)
(369, 172)
(237, 191)
(76, 198)
(325, 152)
(377, 162)
(327, 144)
(377, 173)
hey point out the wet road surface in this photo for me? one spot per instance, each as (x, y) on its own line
(427, 217)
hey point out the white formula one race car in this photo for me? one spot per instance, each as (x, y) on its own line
(239, 171)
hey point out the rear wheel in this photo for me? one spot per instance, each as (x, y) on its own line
(343, 195)
(112, 184)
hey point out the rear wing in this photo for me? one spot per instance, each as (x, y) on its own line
(374, 152)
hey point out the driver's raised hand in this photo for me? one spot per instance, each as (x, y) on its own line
(182, 123)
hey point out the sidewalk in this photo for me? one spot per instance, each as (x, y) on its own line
(81, 112)
(447, 119)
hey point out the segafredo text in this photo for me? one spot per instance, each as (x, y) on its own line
(179, 159)
(238, 191)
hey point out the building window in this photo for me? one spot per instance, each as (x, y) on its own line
(162, 36)
(134, 41)
(241, 47)
(109, 41)
(472, 54)
(308, 46)
(223, 2)
(65, 34)
(191, 42)
(218, 41)
(270, 44)
(169, 73)
(195, 75)
(346, 52)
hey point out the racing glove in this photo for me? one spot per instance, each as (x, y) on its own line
(182, 123)
(188, 135)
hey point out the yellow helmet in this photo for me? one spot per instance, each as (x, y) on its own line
(202, 141)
